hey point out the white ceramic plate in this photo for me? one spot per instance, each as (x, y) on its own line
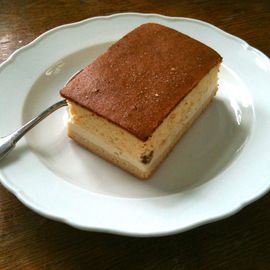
(218, 167)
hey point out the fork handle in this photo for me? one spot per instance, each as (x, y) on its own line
(8, 142)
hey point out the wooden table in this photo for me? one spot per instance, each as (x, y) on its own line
(29, 241)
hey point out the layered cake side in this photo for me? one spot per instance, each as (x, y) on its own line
(133, 103)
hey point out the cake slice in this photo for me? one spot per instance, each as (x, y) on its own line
(133, 103)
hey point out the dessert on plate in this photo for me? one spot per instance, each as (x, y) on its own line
(133, 103)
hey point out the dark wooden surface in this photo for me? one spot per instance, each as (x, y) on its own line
(29, 241)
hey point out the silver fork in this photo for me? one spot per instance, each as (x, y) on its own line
(8, 142)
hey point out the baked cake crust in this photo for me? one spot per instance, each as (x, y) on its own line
(142, 77)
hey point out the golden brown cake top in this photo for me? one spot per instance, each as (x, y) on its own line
(139, 80)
